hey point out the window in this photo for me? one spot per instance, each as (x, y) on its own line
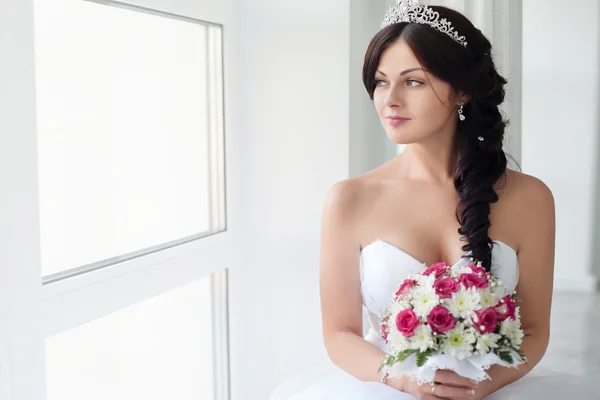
(117, 201)
(161, 348)
(129, 122)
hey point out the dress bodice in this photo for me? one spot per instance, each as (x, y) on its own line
(384, 266)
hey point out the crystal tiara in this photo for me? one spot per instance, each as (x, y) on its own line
(412, 11)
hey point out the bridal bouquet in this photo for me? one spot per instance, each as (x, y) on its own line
(451, 317)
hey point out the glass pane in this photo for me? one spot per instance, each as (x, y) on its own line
(123, 119)
(159, 349)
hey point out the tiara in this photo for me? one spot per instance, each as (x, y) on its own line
(412, 11)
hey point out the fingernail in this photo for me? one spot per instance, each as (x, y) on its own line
(473, 382)
(470, 392)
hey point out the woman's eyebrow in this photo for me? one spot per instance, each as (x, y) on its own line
(403, 72)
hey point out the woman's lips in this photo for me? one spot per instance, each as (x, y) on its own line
(396, 121)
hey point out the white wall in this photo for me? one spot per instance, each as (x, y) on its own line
(560, 104)
(292, 98)
(369, 144)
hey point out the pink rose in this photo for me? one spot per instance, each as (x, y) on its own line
(506, 308)
(438, 268)
(406, 286)
(407, 322)
(486, 320)
(478, 269)
(440, 320)
(474, 280)
(445, 287)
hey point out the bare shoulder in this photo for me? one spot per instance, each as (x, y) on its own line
(348, 201)
(344, 194)
(528, 192)
(531, 208)
(350, 195)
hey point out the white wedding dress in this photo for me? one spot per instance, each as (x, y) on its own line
(382, 268)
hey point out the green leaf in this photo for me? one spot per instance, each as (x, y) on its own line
(505, 356)
(520, 353)
(388, 360)
(403, 355)
(422, 357)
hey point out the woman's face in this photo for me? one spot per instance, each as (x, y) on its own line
(413, 105)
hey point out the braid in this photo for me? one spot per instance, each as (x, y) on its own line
(480, 164)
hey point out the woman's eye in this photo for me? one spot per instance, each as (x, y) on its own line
(412, 83)
(409, 83)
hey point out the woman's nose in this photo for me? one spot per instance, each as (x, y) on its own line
(393, 97)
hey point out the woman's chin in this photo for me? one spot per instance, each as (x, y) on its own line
(401, 139)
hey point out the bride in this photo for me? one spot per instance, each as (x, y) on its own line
(447, 197)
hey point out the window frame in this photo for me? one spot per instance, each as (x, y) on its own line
(32, 309)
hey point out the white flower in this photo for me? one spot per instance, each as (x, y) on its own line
(458, 270)
(512, 330)
(486, 342)
(398, 341)
(399, 305)
(459, 342)
(423, 301)
(489, 298)
(414, 276)
(422, 339)
(425, 281)
(464, 302)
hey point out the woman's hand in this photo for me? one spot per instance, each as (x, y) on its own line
(447, 385)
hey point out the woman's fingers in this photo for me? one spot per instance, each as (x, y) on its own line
(448, 386)
(452, 392)
(429, 397)
(451, 378)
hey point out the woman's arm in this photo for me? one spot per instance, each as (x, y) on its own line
(536, 218)
(339, 280)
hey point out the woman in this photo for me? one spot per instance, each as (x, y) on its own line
(436, 90)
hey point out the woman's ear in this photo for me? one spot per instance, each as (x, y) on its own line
(463, 97)
(460, 97)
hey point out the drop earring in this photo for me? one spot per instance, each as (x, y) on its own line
(461, 116)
